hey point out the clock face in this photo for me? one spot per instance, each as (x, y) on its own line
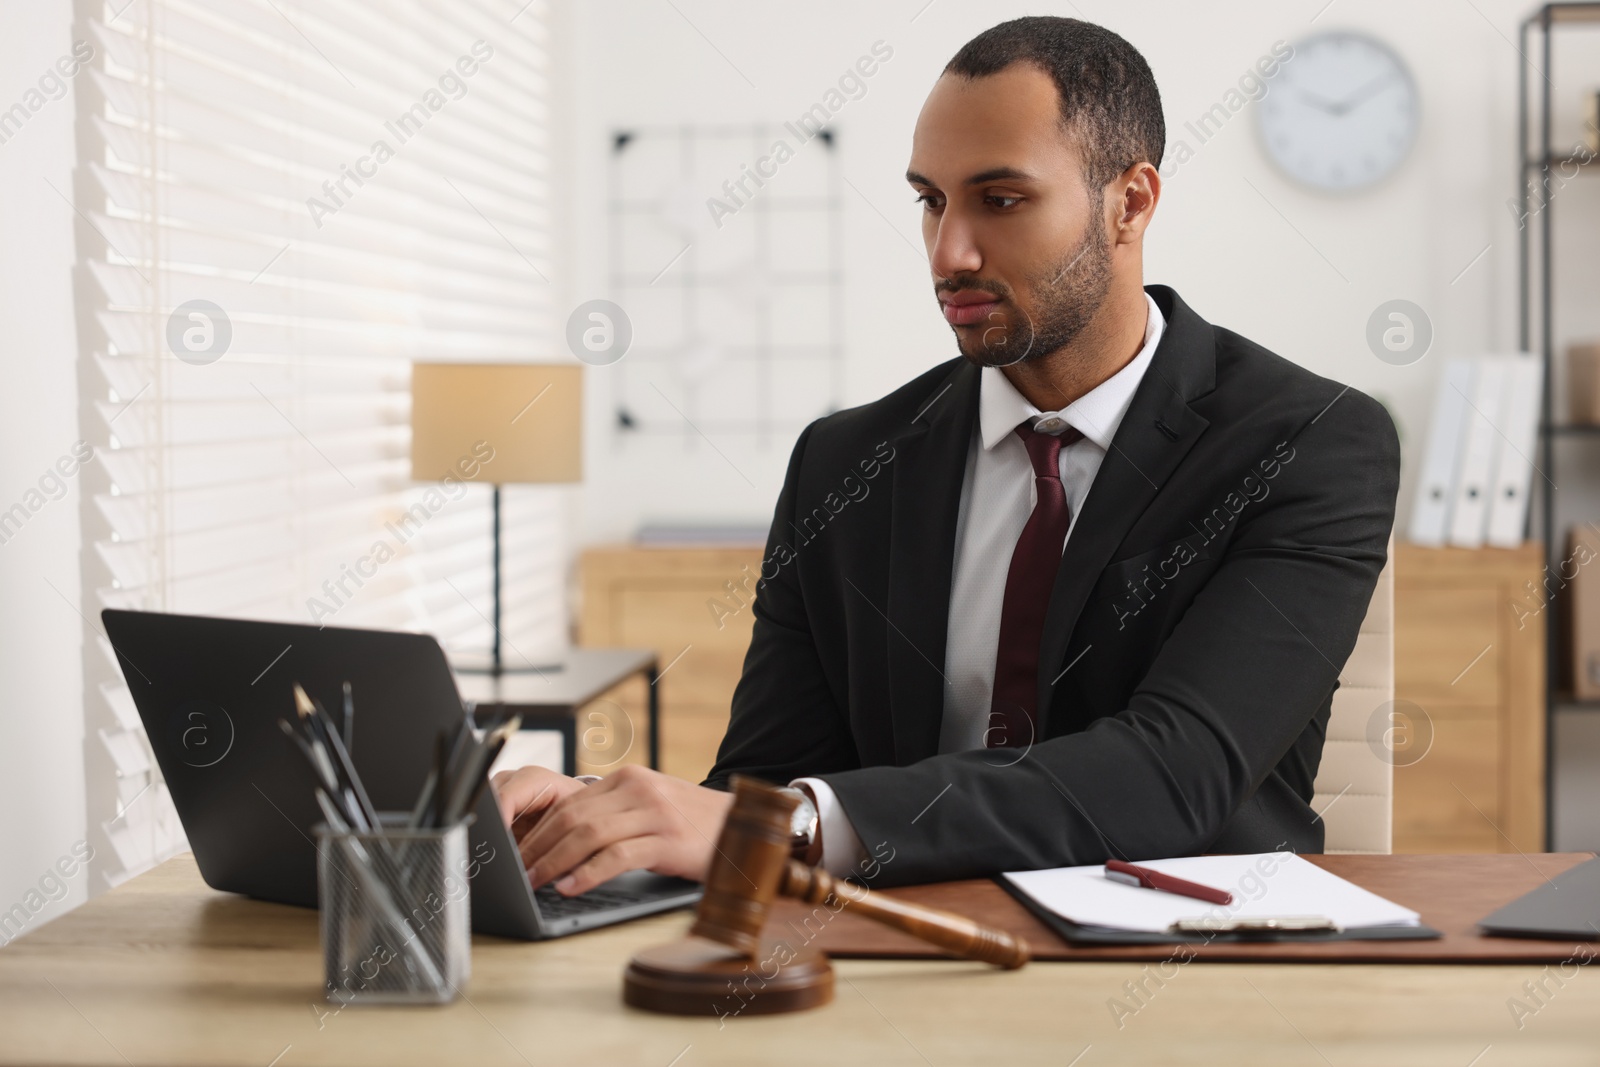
(1341, 114)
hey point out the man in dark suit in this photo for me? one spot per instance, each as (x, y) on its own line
(1084, 591)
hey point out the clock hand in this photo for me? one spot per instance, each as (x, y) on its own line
(1349, 103)
(1320, 103)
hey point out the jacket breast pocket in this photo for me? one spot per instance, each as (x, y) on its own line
(1149, 572)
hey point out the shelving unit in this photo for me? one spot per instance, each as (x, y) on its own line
(1537, 157)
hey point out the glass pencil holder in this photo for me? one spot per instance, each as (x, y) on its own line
(396, 912)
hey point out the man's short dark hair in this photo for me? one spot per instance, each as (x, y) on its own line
(1108, 95)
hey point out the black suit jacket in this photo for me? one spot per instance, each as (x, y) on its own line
(1207, 599)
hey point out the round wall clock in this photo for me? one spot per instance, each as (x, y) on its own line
(1341, 114)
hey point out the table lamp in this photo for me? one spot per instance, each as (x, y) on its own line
(529, 413)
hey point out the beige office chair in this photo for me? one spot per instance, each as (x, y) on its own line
(1354, 790)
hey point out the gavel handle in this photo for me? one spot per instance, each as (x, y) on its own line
(955, 934)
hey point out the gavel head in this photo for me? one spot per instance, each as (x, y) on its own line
(748, 867)
(697, 975)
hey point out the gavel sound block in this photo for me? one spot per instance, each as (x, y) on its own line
(726, 967)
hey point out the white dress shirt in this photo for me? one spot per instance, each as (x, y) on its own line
(997, 496)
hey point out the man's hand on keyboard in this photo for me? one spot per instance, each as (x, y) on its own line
(579, 836)
(527, 793)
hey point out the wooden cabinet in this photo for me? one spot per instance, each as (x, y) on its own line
(692, 605)
(1469, 655)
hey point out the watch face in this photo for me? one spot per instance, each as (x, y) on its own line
(1342, 114)
(803, 820)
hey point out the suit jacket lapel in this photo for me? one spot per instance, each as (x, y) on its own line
(928, 469)
(1155, 435)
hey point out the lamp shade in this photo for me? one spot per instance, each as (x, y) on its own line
(529, 414)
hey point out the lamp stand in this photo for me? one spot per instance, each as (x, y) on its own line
(497, 666)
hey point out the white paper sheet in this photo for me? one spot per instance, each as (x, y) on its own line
(1263, 885)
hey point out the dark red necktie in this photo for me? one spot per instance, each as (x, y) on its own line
(1034, 562)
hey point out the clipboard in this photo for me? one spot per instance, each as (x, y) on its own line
(1246, 931)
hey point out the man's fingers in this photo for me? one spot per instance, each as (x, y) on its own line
(623, 856)
(578, 820)
(582, 802)
(527, 791)
(583, 831)
(519, 797)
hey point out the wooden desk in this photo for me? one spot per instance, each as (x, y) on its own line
(163, 970)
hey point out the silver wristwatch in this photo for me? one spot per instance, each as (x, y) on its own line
(803, 824)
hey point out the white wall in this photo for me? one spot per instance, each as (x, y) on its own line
(41, 688)
(1224, 246)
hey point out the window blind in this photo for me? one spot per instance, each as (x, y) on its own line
(282, 205)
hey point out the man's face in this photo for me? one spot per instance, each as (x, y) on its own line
(1016, 240)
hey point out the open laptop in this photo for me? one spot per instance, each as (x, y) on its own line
(210, 692)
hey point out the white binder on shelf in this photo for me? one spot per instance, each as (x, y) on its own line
(1480, 447)
(1430, 512)
(1513, 471)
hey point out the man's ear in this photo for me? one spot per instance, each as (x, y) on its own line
(1135, 193)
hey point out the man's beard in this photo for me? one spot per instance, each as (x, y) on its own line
(1068, 295)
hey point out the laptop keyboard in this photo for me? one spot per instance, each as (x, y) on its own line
(555, 906)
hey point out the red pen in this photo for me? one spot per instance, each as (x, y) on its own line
(1131, 874)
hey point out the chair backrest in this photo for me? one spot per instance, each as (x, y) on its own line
(1354, 790)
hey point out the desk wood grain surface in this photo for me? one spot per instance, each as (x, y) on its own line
(166, 971)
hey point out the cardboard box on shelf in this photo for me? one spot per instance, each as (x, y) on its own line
(1583, 383)
(1580, 570)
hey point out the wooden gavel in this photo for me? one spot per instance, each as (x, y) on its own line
(722, 967)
